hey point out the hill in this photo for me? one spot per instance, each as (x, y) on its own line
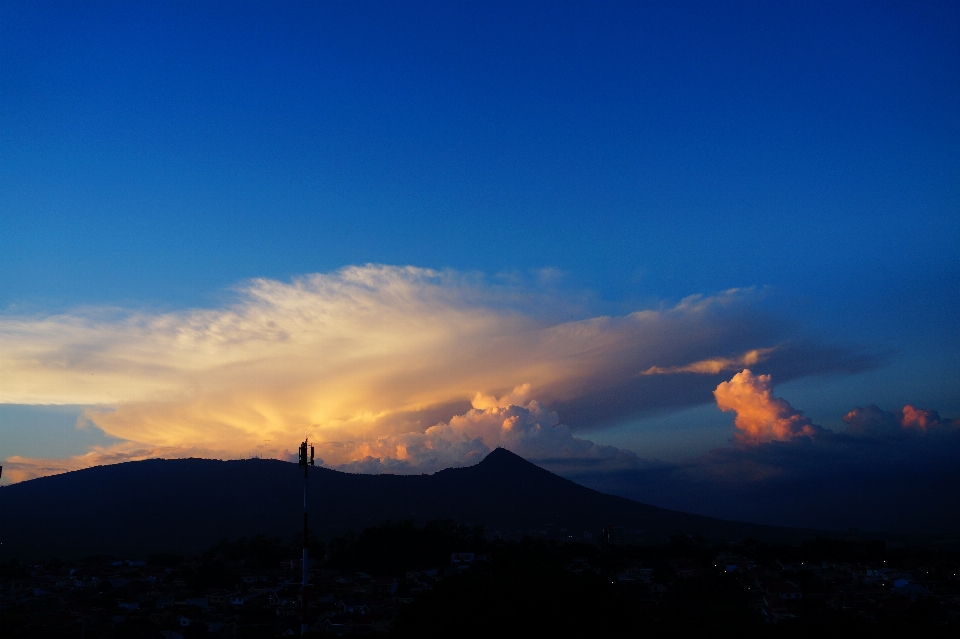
(184, 505)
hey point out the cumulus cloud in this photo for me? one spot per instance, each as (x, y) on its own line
(525, 427)
(925, 420)
(875, 422)
(761, 417)
(381, 363)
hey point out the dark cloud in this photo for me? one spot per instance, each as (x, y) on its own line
(886, 472)
(875, 422)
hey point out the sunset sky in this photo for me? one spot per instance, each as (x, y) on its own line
(609, 237)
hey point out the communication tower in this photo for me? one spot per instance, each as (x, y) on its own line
(306, 461)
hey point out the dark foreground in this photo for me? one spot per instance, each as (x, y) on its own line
(183, 506)
(444, 580)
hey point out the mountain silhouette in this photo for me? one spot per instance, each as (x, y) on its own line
(185, 505)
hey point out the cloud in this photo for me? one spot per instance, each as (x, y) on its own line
(382, 362)
(524, 427)
(761, 417)
(874, 422)
(17, 468)
(925, 420)
(715, 365)
(829, 483)
(892, 471)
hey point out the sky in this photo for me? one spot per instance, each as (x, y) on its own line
(416, 231)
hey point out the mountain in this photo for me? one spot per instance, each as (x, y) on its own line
(185, 505)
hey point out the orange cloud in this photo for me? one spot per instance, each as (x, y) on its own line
(925, 420)
(918, 418)
(17, 468)
(714, 365)
(761, 417)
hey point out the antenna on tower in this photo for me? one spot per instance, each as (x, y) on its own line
(306, 461)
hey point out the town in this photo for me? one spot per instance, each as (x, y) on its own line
(402, 580)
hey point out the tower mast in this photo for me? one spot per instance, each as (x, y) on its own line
(305, 462)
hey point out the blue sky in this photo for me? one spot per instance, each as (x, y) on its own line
(154, 157)
(162, 152)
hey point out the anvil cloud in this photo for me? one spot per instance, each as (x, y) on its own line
(387, 368)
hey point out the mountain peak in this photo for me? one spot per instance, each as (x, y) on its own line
(502, 459)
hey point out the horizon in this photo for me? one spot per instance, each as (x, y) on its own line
(703, 257)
